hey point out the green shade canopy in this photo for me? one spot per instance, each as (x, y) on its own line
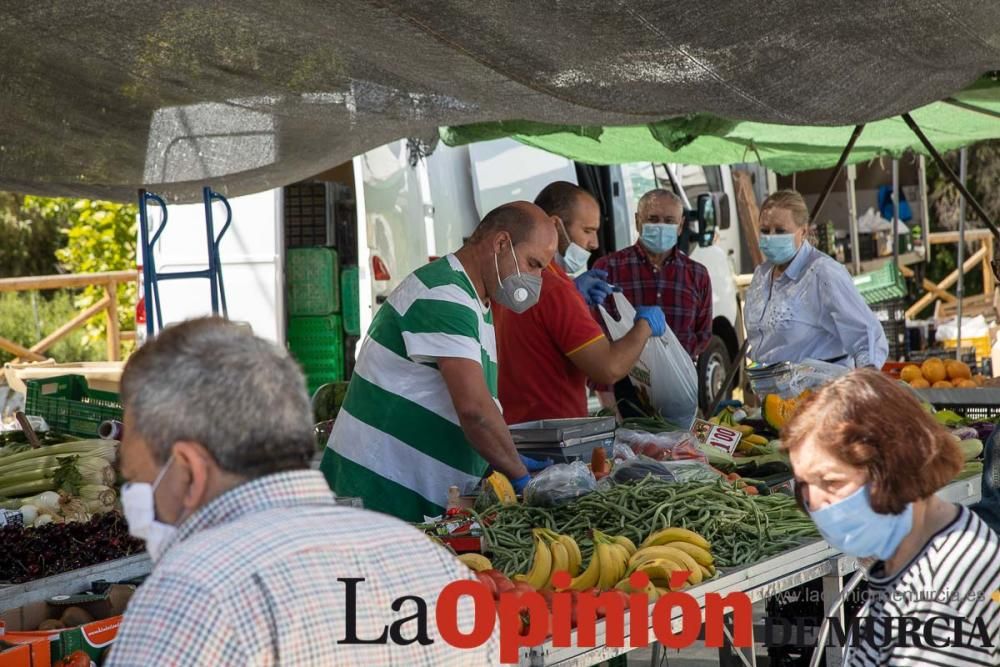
(968, 117)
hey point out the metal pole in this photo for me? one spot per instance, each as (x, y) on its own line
(895, 212)
(836, 172)
(852, 212)
(960, 288)
(925, 234)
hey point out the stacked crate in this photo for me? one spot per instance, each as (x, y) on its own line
(885, 293)
(315, 326)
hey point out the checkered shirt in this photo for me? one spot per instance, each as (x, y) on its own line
(252, 579)
(682, 288)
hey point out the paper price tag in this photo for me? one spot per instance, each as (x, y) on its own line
(720, 437)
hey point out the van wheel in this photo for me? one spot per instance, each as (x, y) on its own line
(713, 366)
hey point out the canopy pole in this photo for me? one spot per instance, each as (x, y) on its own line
(924, 208)
(895, 211)
(835, 173)
(960, 287)
(852, 212)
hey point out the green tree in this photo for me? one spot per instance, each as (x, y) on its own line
(30, 234)
(101, 236)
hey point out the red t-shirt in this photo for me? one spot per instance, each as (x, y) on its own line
(536, 378)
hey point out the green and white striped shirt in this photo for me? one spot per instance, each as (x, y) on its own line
(397, 442)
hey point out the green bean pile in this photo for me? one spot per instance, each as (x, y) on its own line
(742, 529)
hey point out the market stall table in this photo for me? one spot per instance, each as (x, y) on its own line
(75, 581)
(767, 578)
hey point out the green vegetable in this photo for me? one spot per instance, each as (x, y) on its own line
(742, 529)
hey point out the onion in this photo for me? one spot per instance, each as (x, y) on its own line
(42, 520)
(29, 514)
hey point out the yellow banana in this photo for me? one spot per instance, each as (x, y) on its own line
(573, 550)
(705, 573)
(659, 570)
(476, 562)
(611, 567)
(661, 591)
(747, 431)
(650, 590)
(676, 535)
(589, 577)
(560, 559)
(677, 555)
(541, 567)
(701, 556)
(625, 542)
(755, 440)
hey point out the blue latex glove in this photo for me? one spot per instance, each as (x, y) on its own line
(534, 465)
(654, 317)
(594, 287)
(520, 483)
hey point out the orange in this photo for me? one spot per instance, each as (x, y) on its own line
(910, 373)
(966, 384)
(942, 384)
(920, 383)
(957, 370)
(933, 370)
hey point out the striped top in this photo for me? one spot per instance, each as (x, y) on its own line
(954, 580)
(397, 442)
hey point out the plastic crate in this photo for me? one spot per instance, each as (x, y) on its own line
(893, 310)
(885, 284)
(981, 345)
(317, 343)
(895, 334)
(70, 406)
(350, 301)
(313, 281)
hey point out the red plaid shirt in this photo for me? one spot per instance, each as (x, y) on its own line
(681, 287)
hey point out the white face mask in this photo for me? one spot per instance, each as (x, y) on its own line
(575, 259)
(140, 513)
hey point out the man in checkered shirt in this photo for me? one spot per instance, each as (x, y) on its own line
(254, 563)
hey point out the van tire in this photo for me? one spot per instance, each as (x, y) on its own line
(713, 366)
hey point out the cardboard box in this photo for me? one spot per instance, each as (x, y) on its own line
(31, 653)
(92, 638)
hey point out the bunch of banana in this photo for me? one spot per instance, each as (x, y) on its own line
(670, 550)
(476, 562)
(553, 553)
(608, 564)
(729, 419)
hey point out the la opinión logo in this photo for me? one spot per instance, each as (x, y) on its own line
(529, 618)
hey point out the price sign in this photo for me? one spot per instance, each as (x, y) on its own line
(720, 437)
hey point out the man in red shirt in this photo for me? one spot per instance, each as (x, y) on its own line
(546, 354)
(654, 272)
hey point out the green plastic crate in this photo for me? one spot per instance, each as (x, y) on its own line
(70, 406)
(350, 300)
(313, 281)
(885, 284)
(317, 343)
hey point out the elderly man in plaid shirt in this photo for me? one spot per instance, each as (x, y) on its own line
(655, 272)
(254, 562)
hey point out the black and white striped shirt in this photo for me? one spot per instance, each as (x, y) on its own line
(943, 608)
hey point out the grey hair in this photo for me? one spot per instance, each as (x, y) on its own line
(647, 198)
(213, 382)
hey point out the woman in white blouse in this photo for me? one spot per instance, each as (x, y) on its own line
(802, 304)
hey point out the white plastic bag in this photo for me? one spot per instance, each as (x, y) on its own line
(664, 375)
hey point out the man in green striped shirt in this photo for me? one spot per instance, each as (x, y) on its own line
(421, 413)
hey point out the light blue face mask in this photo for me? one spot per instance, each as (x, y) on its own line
(852, 526)
(778, 248)
(658, 237)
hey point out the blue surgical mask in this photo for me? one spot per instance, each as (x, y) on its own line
(778, 248)
(852, 526)
(658, 237)
(575, 259)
